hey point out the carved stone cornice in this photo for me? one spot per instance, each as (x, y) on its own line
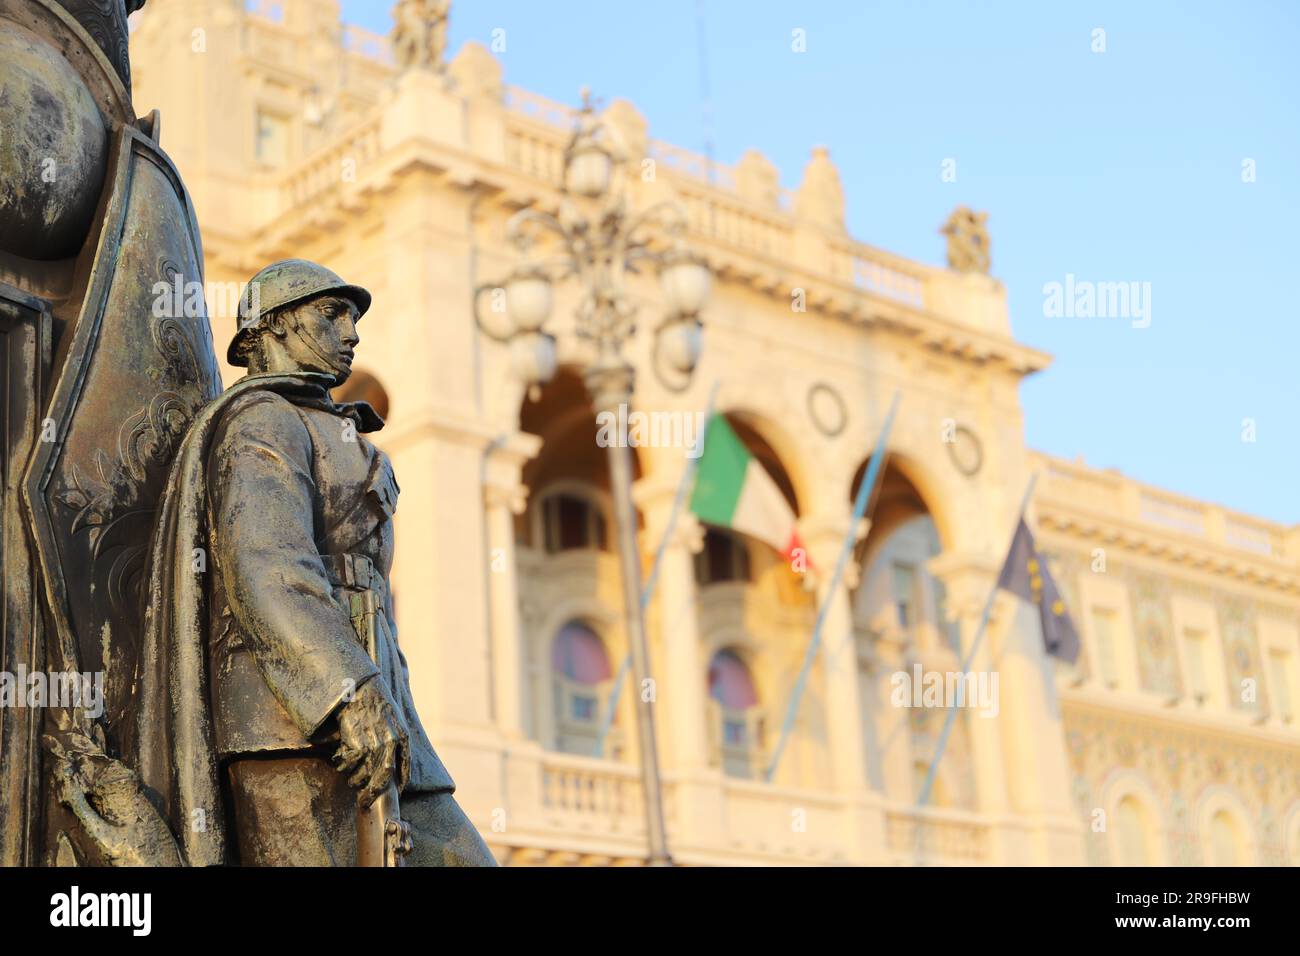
(770, 274)
(1151, 541)
(1146, 714)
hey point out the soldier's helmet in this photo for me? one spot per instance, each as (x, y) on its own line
(283, 283)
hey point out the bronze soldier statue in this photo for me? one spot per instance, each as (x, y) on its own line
(270, 587)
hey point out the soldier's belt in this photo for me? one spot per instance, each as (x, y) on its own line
(356, 574)
(353, 571)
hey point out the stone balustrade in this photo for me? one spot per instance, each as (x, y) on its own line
(933, 835)
(597, 806)
(1110, 495)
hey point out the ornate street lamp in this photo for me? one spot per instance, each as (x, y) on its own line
(600, 242)
(685, 280)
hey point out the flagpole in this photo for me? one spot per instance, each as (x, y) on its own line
(866, 491)
(951, 716)
(683, 486)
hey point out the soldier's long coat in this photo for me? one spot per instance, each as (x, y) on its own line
(243, 619)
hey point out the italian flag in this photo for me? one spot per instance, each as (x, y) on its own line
(733, 490)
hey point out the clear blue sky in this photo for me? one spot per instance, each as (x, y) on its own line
(1119, 166)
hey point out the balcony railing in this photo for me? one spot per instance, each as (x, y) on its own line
(368, 44)
(1169, 512)
(548, 111)
(332, 167)
(1249, 534)
(1111, 495)
(695, 165)
(592, 795)
(937, 836)
(589, 799)
(272, 10)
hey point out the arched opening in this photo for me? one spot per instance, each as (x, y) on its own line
(748, 431)
(750, 582)
(1293, 838)
(900, 613)
(750, 516)
(568, 481)
(737, 726)
(572, 519)
(724, 557)
(1132, 832)
(1226, 845)
(362, 386)
(896, 594)
(569, 576)
(581, 675)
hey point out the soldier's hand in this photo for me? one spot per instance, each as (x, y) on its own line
(375, 747)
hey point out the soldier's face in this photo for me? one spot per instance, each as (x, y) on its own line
(328, 339)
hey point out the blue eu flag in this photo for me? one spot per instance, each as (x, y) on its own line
(1025, 575)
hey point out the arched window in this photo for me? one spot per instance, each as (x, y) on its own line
(904, 594)
(1130, 824)
(581, 674)
(898, 595)
(724, 557)
(737, 718)
(1225, 840)
(572, 521)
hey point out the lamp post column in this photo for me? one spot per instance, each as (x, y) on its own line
(609, 383)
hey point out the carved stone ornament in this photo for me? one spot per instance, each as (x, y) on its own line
(966, 451)
(827, 410)
(968, 240)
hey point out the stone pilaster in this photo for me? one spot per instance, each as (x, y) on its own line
(864, 821)
(505, 496)
(679, 661)
(1021, 775)
(824, 537)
